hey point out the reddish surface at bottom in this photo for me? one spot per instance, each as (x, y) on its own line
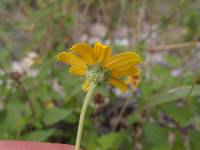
(27, 145)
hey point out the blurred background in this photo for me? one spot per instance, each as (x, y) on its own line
(41, 101)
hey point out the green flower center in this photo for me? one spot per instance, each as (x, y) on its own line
(97, 74)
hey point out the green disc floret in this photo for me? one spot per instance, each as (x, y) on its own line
(97, 74)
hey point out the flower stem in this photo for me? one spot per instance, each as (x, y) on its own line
(82, 115)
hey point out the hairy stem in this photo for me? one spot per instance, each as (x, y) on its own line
(82, 115)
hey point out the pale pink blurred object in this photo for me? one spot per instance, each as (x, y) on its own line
(28, 145)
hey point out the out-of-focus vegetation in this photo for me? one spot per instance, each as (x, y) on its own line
(40, 101)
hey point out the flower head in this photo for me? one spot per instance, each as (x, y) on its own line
(99, 66)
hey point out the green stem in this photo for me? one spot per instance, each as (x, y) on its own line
(82, 115)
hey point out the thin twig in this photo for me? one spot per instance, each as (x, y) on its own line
(19, 85)
(140, 20)
(87, 6)
(172, 46)
(121, 113)
(193, 85)
(25, 93)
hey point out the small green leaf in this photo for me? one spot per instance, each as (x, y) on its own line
(182, 115)
(111, 141)
(155, 135)
(54, 115)
(16, 118)
(40, 135)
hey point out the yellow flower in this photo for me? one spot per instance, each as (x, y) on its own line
(99, 66)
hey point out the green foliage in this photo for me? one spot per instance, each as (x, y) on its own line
(39, 135)
(43, 102)
(16, 116)
(54, 115)
(111, 141)
(194, 140)
(171, 95)
(155, 136)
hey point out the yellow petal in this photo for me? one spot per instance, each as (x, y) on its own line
(123, 60)
(134, 80)
(102, 52)
(86, 86)
(71, 59)
(119, 84)
(77, 70)
(127, 71)
(85, 52)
